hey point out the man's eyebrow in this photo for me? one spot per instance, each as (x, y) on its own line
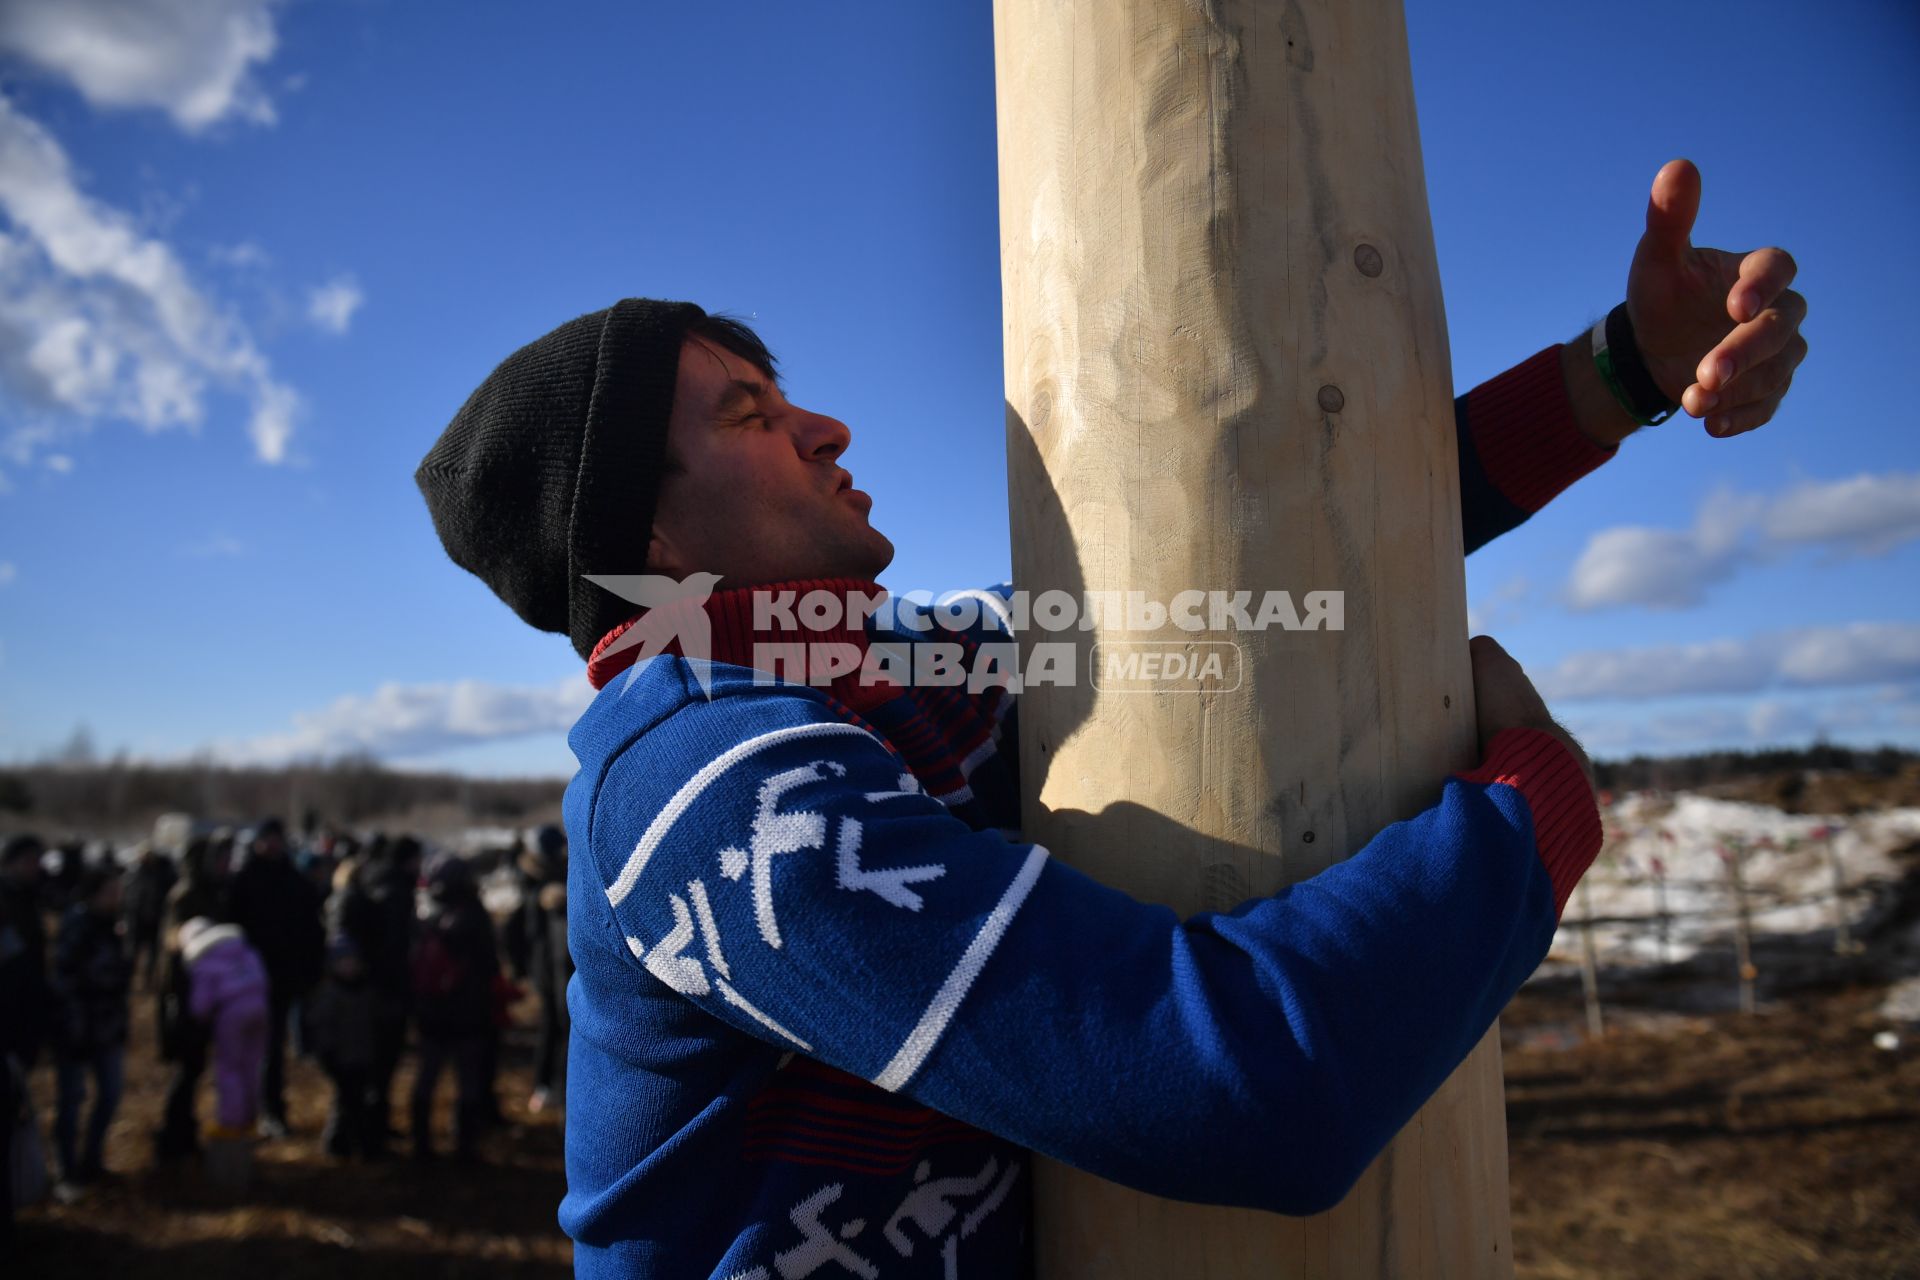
(738, 391)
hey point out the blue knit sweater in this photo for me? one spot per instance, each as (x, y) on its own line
(824, 1005)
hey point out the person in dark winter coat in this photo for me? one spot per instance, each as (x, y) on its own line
(91, 975)
(454, 967)
(228, 985)
(144, 900)
(23, 950)
(23, 995)
(340, 1017)
(280, 913)
(200, 893)
(62, 883)
(390, 883)
(536, 946)
(356, 913)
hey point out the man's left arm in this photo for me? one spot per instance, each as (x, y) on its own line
(1711, 332)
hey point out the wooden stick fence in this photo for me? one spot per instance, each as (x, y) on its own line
(1744, 906)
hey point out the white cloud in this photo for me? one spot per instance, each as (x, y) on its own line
(332, 305)
(193, 60)
(1659, 568)
(1861, 653)
(1857, 653)
(240, 256)
(8, 572)
(99, 320)
(413, 720)
(1868, 515)
(1883, 715)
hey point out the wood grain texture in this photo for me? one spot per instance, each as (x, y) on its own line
(1227, 368)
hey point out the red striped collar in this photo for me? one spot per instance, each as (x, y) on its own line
(736, 640)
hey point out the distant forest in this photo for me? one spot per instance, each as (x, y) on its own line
(120, 799)
(1686, 773)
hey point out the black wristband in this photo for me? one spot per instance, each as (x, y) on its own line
(1645, 400)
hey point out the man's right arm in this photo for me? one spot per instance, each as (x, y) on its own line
(790, 879)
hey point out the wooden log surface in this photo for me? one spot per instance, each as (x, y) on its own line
(1227, 369)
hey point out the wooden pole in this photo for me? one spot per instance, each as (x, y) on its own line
(1734, 853)
(1227, 369)
(1660, 895)
(1843, 943)
(1590, 965)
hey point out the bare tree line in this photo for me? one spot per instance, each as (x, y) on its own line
(122, 798)
(1690, 772)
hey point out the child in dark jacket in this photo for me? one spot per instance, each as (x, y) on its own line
(91, 975)
(229, 995)
(454, 967)
(341, 1032)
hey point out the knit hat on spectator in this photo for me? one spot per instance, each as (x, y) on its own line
(550, 470)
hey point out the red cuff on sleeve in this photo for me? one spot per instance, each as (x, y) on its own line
(1524, 433)
(1566, 821)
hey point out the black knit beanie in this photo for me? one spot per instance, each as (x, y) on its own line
(550, 470)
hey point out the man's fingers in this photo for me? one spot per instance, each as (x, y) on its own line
(1755, 398)
(1744, 419)
(1751, 344)
(1672, 207)
(1764, 274)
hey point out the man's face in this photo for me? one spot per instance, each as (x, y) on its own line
(762, 497)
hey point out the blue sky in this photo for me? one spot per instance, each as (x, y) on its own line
(253, 256)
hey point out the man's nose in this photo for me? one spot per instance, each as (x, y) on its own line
(820, 438)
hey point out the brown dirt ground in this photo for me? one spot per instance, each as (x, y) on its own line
(1781, 1144)
(307, 1215)
(1677, 1146)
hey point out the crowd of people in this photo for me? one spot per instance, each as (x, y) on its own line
(342, 950)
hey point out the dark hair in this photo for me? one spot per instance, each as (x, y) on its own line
(23, 846)
(196, 860)
(732, 335)
(404, 849)
(92, 880)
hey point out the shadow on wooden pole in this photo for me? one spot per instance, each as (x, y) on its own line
(1227, 369)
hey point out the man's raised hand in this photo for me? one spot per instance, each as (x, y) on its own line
(1719, 331)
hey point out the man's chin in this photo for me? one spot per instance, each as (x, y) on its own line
(879, 555)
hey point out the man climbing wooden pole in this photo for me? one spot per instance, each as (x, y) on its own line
(1231, 451)
(1227, 369)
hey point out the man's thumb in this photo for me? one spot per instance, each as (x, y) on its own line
(1672, 207)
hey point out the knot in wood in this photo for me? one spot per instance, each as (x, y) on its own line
(1367, 258)
(1332, 400)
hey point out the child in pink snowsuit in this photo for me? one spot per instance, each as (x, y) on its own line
(229, 992)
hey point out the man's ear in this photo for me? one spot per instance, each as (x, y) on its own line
(662, 559)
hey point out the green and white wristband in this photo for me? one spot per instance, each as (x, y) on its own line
(1617, 356)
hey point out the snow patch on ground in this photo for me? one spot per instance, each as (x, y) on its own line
(1661, 890)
